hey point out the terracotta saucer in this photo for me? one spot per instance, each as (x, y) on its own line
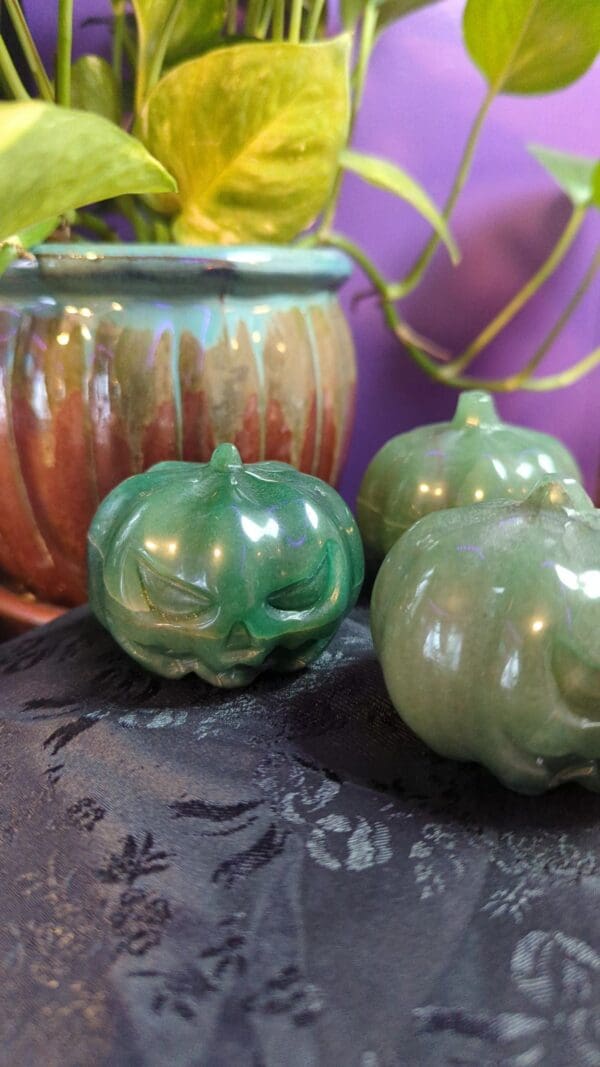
(20, 611)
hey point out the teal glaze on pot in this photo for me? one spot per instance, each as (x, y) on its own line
(115, 357)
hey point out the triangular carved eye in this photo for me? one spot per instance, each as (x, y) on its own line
(170, 596)
(303, 595)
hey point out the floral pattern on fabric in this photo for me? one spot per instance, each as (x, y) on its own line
(278, 875)
(558, 979)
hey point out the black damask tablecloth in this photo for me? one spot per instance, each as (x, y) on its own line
(275, 877)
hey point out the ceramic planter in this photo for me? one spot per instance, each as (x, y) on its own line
(113, 358)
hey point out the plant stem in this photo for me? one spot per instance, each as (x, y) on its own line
(265, 19)
(130, 47)
(295, 22)
(155, 66)
(441, 373)
(10, 74)
(232, 17)
(32, 56)
(402, 330)
(514, 382)
(118, 43)
(252, 17)
(336, 240)
(563, 318)
(161, 232)
(565, 377)
(314, 19)
(416, 272)
(8, 254)
(141, 228)
(367, 40)
(64, 47)
(278, 30)
(95, 225)
(525, 294)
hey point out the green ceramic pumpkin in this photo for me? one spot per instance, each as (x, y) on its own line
(486, 620)
(474, 458)
(223, 569)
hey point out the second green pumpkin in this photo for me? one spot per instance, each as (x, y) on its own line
(474, 457)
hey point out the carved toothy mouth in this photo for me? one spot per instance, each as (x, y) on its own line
(239, 657)
(236, 667)
(284, 658)
(278, 658)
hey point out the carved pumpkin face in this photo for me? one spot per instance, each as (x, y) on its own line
(473, 459)
(486, 621)
(223, 569)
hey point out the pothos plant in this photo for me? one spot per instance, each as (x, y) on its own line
(218, 122)
(249, 110)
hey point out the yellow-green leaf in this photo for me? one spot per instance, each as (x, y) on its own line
(350, 12)
(196, 23)
(94, 87)
(252, 133)
(577, 176)
(54, 159)
(392, 10)
(172, 30)
(394, 180)
(532, 46)
(388, 10)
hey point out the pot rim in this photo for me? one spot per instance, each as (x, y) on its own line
(308, 268)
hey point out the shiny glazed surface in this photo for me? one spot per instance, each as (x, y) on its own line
(486, 621)
(113, 358)
(222, 569)
(473, 458)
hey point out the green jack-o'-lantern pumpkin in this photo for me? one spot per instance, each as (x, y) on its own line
(223, 569)
(473, 458)
(486, 620)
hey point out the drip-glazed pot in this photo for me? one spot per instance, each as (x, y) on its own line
(115, 357)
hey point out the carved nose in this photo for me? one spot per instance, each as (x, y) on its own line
(239, 637)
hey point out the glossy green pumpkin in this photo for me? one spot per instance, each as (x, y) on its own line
(223, 569)
(486, 621)
(475, 457)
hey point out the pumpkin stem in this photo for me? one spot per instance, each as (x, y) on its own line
(554, 492)
(476, 408)
(225, 457)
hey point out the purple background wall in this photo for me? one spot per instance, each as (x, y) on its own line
(421, 97)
